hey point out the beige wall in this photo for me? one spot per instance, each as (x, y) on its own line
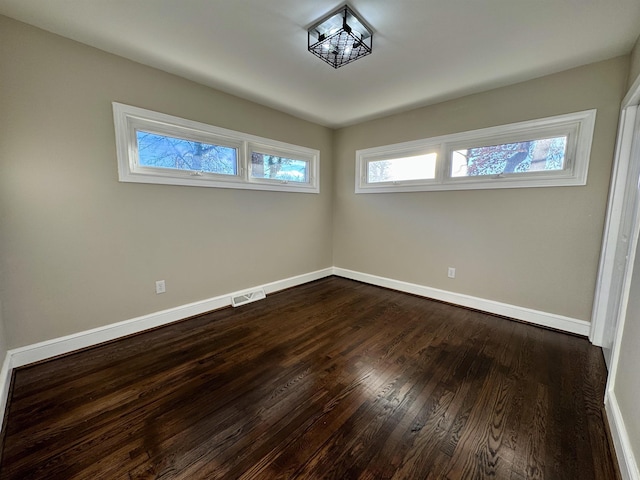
(78, 249)
(3, 338)
(627, 382)
(535, 247)
(634, 66)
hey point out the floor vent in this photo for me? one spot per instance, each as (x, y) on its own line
(247, 297)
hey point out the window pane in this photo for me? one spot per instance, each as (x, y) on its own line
(160, 151)
(519, 157)
(279, 168)
(419, 167)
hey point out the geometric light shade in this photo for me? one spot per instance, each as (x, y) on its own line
(340, 38)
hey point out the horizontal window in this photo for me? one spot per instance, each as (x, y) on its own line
(552, 151)
(520, 157)
(163, 151)
(416, 167)
(157, 148)
(279, 166)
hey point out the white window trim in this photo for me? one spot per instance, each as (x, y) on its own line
(128, 119)
(578, 126)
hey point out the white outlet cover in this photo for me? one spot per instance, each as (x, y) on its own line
(160, 287)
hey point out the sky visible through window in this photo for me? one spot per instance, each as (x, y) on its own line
(161, 151)
(417, 167)
(278, 168)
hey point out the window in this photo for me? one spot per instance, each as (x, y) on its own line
(163, 151)
(157, 148)
(547, 152)
(269, 164)
(416, 167)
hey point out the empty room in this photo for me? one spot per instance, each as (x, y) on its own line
(304, 240)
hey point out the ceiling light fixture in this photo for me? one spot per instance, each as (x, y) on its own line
(340, 38)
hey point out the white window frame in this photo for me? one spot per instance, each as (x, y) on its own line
(129, 119)
(578, 127)
(270, 149)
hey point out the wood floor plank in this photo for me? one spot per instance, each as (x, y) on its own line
(333, 379)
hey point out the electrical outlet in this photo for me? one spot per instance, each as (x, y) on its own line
(451, 273)
(160, 287)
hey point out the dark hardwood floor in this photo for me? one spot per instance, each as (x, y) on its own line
(332, 379)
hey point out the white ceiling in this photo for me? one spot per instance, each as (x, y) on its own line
(424, 51)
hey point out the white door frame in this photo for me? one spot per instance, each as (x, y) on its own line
(604, 295)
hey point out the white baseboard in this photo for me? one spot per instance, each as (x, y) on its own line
(22, 356)
(5, 384)
(58, 346)
(626, 460)
(550, 320)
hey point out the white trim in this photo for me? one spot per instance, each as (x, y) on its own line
(58, 346)
(633, 94)
(615, 208)
(128, 120)
(625, 144)
(536, 317)
(625, 291)
(297, 280)
(630, 105)
(22, 356)
(624, 452)
(26, 355)
(577, 127)
(5, 384)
